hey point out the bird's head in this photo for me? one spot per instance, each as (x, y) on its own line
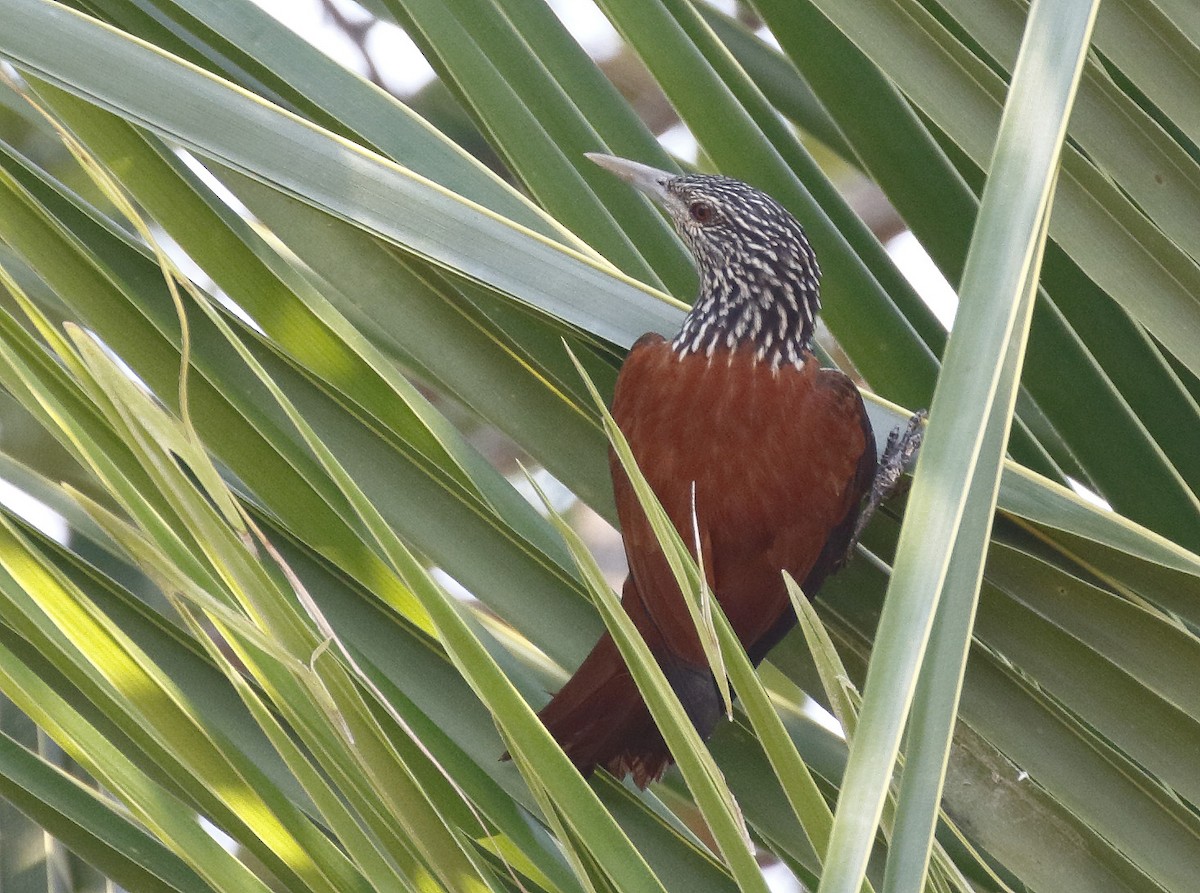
(759, 278)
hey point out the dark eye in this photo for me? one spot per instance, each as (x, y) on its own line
(702, 212)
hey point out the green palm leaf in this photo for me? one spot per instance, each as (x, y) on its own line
(249, 619)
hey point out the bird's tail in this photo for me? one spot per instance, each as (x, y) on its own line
(600, 719)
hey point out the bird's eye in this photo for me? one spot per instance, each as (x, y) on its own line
(702, 212)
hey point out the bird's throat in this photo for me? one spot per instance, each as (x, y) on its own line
(776, 321)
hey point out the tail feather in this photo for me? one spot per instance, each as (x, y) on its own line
(600, 719)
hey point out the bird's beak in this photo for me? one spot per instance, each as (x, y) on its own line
(646, 179)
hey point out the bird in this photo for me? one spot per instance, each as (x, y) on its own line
(757, 453)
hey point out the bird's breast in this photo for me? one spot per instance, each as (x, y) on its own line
(772, 453)
(743, 431)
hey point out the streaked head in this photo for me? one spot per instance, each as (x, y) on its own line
(759, 277)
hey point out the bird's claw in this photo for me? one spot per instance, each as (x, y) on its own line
(898, 452)
(901, 444)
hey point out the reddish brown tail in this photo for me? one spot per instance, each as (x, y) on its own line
(600, 719)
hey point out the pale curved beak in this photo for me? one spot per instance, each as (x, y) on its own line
(643, 177)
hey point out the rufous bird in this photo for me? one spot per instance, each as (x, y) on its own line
(779, 451)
